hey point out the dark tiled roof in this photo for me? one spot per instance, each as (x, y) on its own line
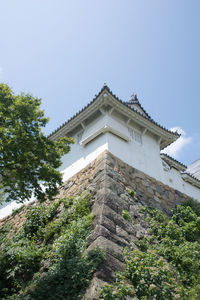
(80, 111)
(136, 101)
(192, 176)
(178, 162)
(106, 88)
(185, 172)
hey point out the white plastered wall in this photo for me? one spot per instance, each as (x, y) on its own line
(174, 179)
(143, 155)
(79, 157)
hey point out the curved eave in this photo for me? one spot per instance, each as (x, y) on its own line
(173, 162)
(105, 96)
(166, 137)
(76, 115)
(191, 179)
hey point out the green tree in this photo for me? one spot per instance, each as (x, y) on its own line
(28, 159)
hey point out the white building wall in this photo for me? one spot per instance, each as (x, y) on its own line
(194, 169)
(7, 208)
(79, 157)
(173, 179)
(143, 156)
(139, 151)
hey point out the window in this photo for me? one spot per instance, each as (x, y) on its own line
(131, 132)
(138, 137)
(135, 136)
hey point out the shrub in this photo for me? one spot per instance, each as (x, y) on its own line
(167, 264)
(126, 215)
(131, 193)
(47, 259)
(4, 231)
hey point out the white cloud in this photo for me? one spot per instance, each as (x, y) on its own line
(177, 147)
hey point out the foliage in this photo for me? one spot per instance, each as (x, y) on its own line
(131, 193)
(194, 205)
(4, 231)
(167, 264)
(46, 259)
(126, 215)
(37, 217)
(16, 211)
(28, 159)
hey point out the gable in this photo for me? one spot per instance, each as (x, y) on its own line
(107, 103)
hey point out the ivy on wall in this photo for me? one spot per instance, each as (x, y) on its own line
(46, 259)
(166, 264)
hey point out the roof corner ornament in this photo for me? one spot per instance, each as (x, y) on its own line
(134, 99)
(105, 87)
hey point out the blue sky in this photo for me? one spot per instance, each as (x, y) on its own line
(63, 51)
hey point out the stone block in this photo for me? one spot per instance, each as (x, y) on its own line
(134, 210)
(92, 292)
(180, 195)
(97, 209)
(117, 219)
(157, 199)
(114, 263)
(145, 183)
(140, 232)
(159, 189)
(115, 202)
(100, 230)
(107, 223)
(126, 198)
(108, 246)
(113, 185)
(122, 233)
(150, 191)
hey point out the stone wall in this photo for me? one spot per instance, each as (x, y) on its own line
(110, 180)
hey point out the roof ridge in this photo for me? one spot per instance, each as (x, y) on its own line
(128, 103)
(184, 172)
(192, 176)
(105, 87)
(177, 161)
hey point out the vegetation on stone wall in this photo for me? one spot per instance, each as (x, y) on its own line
(166, 264)
(46, 259)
